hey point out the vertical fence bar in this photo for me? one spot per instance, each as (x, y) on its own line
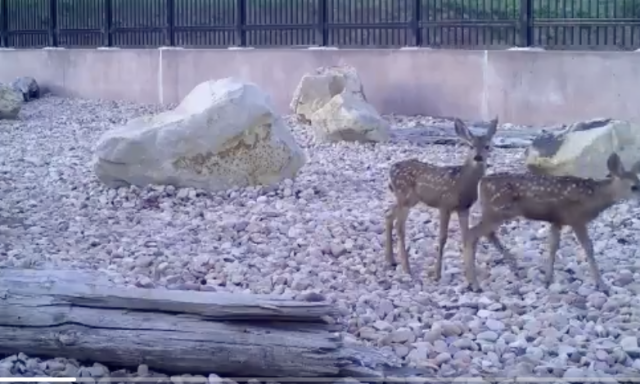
(107, 30)
(241, 21)
(321, 24)
(416, 20)
(425, 17)
(4, 23)
(169, 38)
(425, 13)
(53, 23)
(526, 23)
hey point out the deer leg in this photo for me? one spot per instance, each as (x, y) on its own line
(443, 231)
(401, 221)
(390, 217)
(482, 229)
(463, 221)
(582, 234)
(580, 256)
(507, 256)
(554, 244)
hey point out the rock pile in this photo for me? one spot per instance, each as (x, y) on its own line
(322, 232)
(24, 366)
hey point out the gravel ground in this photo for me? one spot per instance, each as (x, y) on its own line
(321, 233)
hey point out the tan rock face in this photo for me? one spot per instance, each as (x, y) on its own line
(332, 100)
(583, 148)
(224, 133)
(316, 89)
(349, 118)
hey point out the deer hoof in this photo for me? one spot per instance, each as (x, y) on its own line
(474, 287)
(390, 260)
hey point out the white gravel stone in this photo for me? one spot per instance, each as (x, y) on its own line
(495, 325)
(321, 233)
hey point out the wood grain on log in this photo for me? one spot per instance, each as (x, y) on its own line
(79, 315)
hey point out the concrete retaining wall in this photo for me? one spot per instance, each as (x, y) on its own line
(522, 87)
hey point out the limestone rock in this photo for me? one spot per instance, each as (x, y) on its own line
(223, 134)
(10, 102)
(27, 86)
(348, 118)
(316, 89)
(582, 149)
(333, 101)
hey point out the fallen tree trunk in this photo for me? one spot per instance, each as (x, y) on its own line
(79, 315)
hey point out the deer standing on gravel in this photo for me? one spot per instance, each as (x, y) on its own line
(559, 200)
(447, 188)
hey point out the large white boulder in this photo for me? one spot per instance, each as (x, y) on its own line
(10, 102)
(582, 149)
(332, 100)
(224, 134)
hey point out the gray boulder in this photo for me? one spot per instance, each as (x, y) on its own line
(582, 149)
(225, 133)
(332, 100)
(10, 102)
(27, 87)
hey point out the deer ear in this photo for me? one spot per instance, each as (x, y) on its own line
(493, 127)
(462, 130)
(614, 164)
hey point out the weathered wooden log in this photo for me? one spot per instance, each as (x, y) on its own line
(79, 315)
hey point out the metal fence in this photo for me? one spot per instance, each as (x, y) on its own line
(552, 24)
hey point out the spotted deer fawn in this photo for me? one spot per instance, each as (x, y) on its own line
(447, 188)
(558, 200)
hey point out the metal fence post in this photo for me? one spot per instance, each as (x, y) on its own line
(169, 37)
(53, 23)
(107, 37)
(321, 23)
(416, 20)
(241, 21)
(4, 26)
(526, 23)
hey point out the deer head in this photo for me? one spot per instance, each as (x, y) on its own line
(480, 146)
(624, 183)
